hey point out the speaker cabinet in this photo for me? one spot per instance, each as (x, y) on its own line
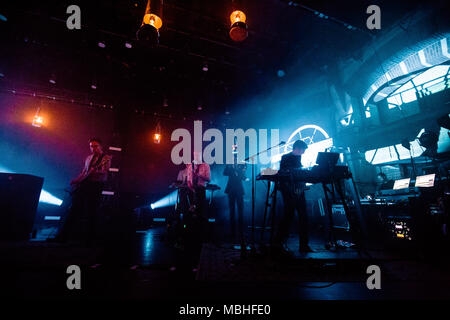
(19, 198)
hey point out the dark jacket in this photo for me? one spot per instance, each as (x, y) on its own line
(235, 173)
(291, 162)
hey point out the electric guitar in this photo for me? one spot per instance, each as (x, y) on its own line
(74, 187)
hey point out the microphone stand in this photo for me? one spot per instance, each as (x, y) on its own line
(413, 167)
(252, 161)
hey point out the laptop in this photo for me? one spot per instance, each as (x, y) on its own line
(401, 184)
(426, 181)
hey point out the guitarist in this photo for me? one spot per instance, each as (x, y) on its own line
(87, 189)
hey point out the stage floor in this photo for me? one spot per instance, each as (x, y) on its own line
(147, 267)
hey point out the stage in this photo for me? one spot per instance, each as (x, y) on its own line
(141, 143)
(154, 270)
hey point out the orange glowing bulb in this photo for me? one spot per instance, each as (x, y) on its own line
(157, 138)
(237, 16)
(37, 121)
(153, 20)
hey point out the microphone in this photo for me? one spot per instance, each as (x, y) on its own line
(282, 143)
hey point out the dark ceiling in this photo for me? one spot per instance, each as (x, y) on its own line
(283, 35)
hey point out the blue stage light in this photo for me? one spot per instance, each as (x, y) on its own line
(46, 197)
(167, 201)
(238, 247)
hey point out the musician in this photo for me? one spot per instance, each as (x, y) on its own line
(197, 175)
(235, 191)
(88, 187)
(183, 202)
(182, 176)
(383, 182)
(294, 199)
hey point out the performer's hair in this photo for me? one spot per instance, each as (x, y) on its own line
(300, 144)
(95, 140)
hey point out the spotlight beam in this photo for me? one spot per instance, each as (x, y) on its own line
(167, 201)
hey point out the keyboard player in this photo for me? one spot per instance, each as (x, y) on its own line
(294, 200)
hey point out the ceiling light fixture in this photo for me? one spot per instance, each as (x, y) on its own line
(52, 79)
(238, 29)
(38, 120)
(157, 134)
(151, 23)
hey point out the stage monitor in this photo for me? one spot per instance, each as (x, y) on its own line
(426, 181)
(19, 198)
(401, 184)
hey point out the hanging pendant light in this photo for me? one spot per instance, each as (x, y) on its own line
(151, 23)
(38, 120)
(157, 134)
(238, 29)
